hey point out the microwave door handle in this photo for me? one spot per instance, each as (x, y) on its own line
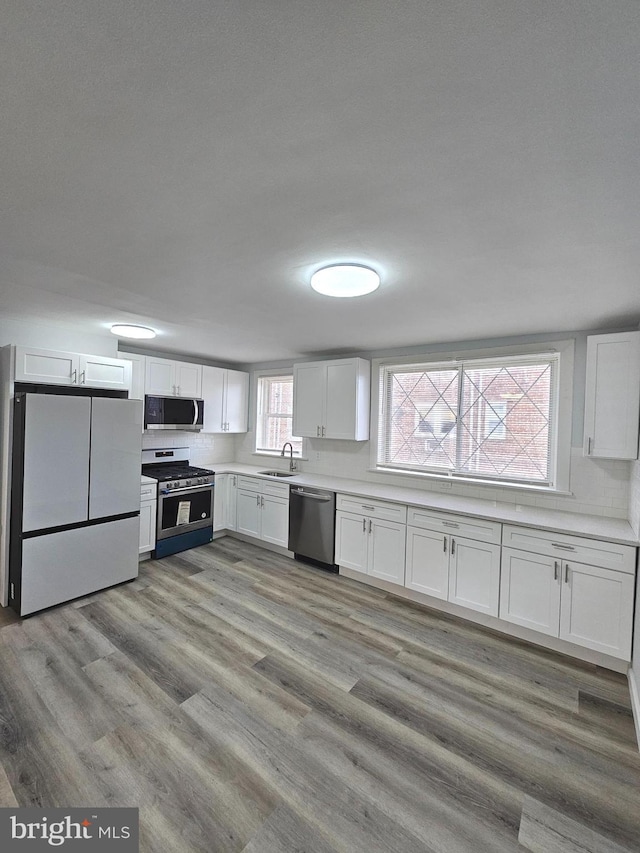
(195, 412)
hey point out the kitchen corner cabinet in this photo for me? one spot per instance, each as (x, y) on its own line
(226, 396)
(224, 503)
(576, 589)
(370, 537)
(148, 505)
(53, 367)
(262, 510)
(612, 396)
(454, 558)
(167, 378)
(331, 399)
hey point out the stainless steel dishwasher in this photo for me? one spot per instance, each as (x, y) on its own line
(312, 522)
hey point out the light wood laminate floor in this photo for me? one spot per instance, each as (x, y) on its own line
(245, 702)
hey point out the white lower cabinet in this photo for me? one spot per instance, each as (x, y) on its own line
(224, 502)
(474, 575)
(596, 609)
(454, 558)
(530, 592)
(589, 605)
(369, 541)
(148, 506)
(427, 562)
(262, 510)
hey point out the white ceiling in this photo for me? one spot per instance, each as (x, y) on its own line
(187, 165)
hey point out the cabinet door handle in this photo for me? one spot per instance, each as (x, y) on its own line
(322, 432)
(261, 503)
(566, 572)
(74, 376)
(555, 570)
(317, 432)
(82, 377)
(453, 546)
(589, 446)
(364, 525)
(370, 522)
(258, 500)
(444, 544)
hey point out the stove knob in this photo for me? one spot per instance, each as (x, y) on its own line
(188, 482)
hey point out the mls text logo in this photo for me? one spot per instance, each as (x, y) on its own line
(35, 829)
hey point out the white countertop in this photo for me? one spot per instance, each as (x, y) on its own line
(145, 481)
(592, 526)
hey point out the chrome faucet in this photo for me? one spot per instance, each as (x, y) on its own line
(292, 464)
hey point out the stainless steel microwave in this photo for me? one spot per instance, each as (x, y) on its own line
(184, 413)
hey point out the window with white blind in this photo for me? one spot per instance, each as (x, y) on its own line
(490, 419)
(275, 414)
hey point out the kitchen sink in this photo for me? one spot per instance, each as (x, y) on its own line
(278, 473)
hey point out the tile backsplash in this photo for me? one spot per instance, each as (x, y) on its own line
(598, 486)
(206, 448)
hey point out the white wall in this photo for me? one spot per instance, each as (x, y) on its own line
(60, 337)
(598, 486)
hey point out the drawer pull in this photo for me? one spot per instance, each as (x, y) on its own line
(563, 547)
(450, 524)
(367, 507)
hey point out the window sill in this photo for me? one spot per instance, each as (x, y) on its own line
(470, 481)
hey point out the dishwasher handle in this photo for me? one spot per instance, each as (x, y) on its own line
(311, 495)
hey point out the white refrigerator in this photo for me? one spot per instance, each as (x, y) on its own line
(75, 497)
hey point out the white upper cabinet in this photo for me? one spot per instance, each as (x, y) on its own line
(612, 398)
(98, 371)
(54, 367)
(167, 378)
(226, 396)
(331, 399)
(138, 362)
(48, 366)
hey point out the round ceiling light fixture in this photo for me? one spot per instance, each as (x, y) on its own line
(345, 280)
(122, 330)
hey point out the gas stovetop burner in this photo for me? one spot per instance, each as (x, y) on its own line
(171, 471)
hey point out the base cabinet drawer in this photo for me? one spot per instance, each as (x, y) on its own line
(562, 546)
(457, 525)
(372, 508)
(587, 605)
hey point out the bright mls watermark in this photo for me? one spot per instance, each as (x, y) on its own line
(104, 830)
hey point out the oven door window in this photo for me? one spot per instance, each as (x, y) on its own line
(186, 510)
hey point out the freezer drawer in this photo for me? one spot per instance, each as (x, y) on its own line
(57, 567)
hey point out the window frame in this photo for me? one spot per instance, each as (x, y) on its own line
(561, 446)
(257, 377)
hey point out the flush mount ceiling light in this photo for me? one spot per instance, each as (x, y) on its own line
(345, 280)
(138, 332)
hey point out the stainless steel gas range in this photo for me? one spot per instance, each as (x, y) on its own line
(185, 500)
